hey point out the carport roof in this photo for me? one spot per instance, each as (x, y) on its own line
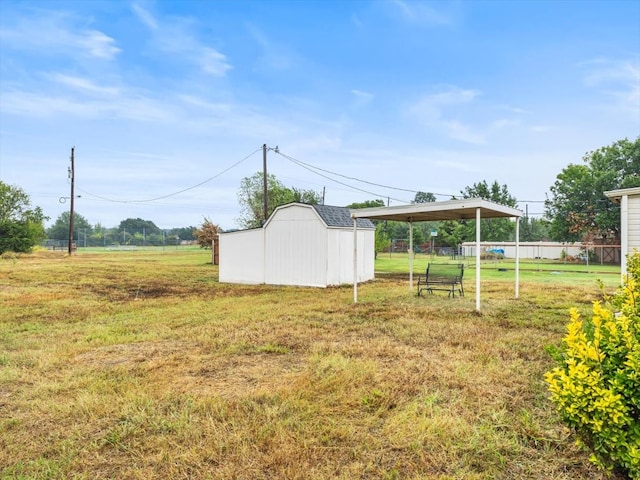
(464, 209)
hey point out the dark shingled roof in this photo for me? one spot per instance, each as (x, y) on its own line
(340, 217)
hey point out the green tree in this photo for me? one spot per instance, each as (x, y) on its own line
(251, 198)
(451, 233)
(21, 225)
(309, 197)
(577, 207)
(138, 225)
(424, 197)
(60, 229)
(400, 231)
(491, 229)
(367, 204)
(185, 233)
(370, 204)
(534, 229)
(382, 238)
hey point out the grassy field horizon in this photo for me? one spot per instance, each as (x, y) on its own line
(140, 364)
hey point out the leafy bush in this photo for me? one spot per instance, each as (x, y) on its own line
(596, 383)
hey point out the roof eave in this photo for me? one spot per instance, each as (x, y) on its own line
(616, 195)
(433, 211)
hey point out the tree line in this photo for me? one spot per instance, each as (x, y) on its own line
(576, 210)
(131, 231)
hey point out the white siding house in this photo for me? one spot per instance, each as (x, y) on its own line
(305, 245)
(629, 200)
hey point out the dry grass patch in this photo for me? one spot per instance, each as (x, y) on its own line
(144, 366)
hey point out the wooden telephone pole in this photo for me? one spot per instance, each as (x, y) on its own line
(71, 178)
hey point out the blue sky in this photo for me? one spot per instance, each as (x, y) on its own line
(160, 96)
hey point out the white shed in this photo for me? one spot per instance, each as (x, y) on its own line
(305, 245)
(629, 200)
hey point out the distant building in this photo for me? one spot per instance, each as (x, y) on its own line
(304, 245)
(548, 250)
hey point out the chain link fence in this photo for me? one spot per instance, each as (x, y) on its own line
(118, 239)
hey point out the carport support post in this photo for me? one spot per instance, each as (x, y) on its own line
(517, 257)
(478, 259)
(410, 256)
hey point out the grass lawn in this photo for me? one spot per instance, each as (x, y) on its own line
(140, 364)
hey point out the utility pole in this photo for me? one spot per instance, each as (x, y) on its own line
(264, 181)
(71, 178)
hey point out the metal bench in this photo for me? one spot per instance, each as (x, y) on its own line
(442, 276)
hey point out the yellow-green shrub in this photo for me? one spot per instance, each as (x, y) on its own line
(596, 383)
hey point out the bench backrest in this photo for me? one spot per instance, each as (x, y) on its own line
(454, 272)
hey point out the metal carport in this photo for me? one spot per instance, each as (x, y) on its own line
(465, 209)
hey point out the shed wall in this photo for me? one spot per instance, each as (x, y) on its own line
(296, 248)
(340, 256)
(366, 256)
(242, 257)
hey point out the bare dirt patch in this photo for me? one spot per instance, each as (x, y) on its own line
(130, 353)
(185, 368)
(244, 375)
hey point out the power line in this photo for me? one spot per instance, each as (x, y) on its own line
(307, 166)
(313, 169)
(174, 193)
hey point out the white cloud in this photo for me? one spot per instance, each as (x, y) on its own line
(355, 19)
(464, 133)
(41, 105)
(362, 94)
(60, 34)
(83, 84)
(540, 128)
(511, 109)
(453, 165)
(504, 123)
(202, 103)
(175, 36)
(98, 44)
(421, 13)
(453, 96)
(37, 105)
(213, 62)
(618, 80)
(274, 56)
(145, 16)
(361, 98)
(435, 111)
